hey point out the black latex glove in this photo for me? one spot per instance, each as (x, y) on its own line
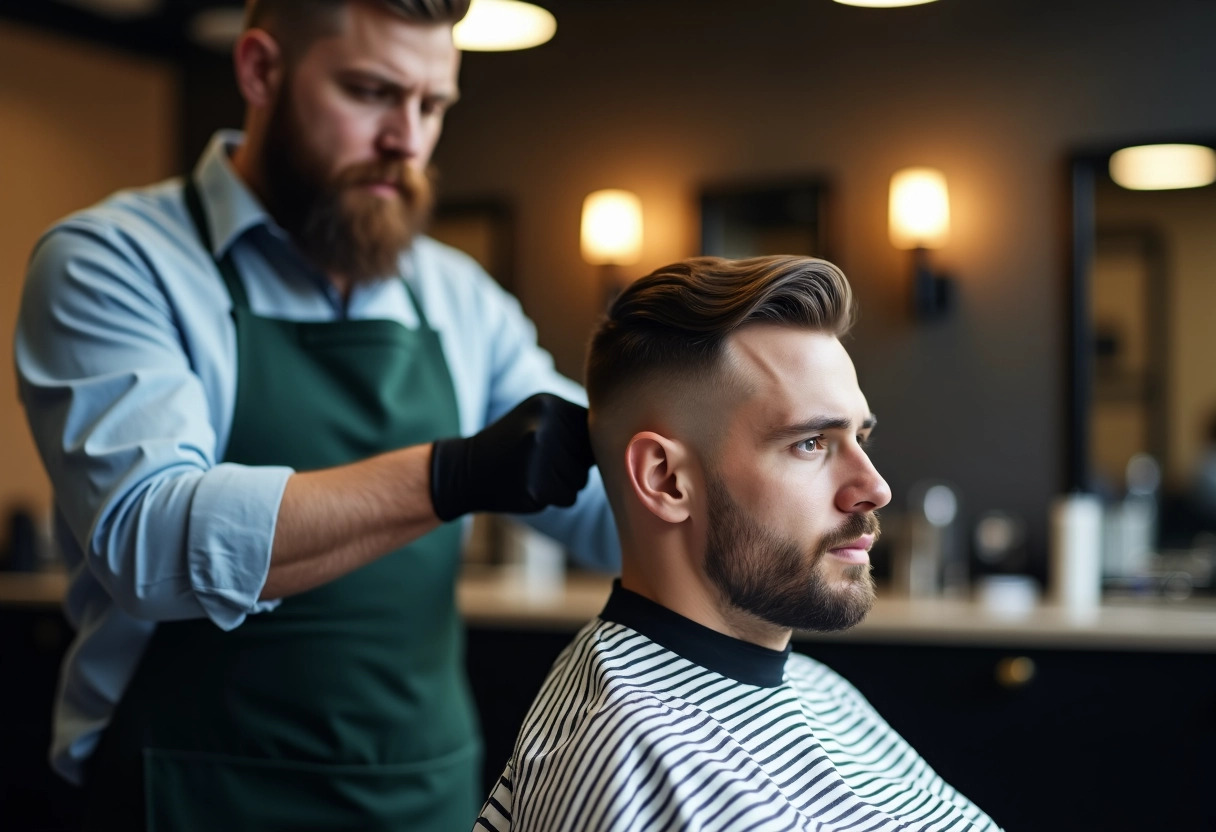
(537, 455)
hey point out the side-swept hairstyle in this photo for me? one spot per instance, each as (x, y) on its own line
(676, 320)
(296, 23)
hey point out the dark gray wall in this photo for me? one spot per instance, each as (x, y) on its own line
(661, 96)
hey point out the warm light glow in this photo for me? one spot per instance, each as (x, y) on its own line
(884, 4)
(612, 228)
(217, 27)
(502, 25)
(920, 209)
(1162, 167)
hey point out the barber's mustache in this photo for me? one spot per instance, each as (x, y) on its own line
(409, 181)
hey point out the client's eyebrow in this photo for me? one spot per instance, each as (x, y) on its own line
(816, 424)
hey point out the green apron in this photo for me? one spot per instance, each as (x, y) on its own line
(346, 708)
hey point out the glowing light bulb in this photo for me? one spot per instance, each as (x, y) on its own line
(503, 25)
(612, 228)
(920, 209)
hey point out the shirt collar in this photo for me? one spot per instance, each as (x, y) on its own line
(737, 659)
(231, 208)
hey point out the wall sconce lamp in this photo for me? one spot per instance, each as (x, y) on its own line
(919, 221)
(611, 236)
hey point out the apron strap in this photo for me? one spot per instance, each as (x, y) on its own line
(194, 204)
(413, 296)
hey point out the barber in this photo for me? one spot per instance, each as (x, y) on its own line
(263, 399)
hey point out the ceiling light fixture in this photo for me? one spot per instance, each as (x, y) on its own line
(503, 25)
(884, 4)
(1163, 167)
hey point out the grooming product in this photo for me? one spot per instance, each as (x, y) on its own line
(1076, 552)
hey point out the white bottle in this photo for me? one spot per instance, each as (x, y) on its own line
(539, 562)
(1076, 552)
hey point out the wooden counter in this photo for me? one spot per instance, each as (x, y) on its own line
(499, 598)
(32, 589)
(495, 599)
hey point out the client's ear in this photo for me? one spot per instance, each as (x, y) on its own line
(658, 472)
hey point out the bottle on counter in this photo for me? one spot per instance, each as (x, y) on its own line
(1076, 552)
(928, 561)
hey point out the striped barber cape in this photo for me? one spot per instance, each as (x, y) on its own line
(650, 721)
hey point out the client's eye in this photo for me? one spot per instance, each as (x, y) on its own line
(814, 443)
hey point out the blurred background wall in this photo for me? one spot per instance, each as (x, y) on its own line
(665, 96)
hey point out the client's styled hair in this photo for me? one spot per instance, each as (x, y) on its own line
(677, 319)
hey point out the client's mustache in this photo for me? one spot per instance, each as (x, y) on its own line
(852, 528)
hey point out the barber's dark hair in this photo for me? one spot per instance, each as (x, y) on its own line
(298, 22)
(677, 318)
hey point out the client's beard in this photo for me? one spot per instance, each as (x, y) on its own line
(776, 579)
(340, 226)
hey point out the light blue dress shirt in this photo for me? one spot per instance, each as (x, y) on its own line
(126, 358)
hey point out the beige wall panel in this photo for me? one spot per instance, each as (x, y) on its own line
(76, 123)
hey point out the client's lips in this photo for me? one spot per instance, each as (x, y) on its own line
(856, 551)
(385, 188)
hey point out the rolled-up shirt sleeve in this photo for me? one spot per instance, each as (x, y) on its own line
(127, 433)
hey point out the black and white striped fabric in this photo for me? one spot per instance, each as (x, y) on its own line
(649, 721)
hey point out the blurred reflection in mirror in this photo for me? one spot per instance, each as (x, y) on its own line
(1144, 391)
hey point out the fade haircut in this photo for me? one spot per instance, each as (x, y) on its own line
(297, 23)
(675, 321)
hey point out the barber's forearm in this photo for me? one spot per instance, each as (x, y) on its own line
(334, 521)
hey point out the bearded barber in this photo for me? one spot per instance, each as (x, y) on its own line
(247, 388)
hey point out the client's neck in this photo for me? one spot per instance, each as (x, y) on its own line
(664, 570)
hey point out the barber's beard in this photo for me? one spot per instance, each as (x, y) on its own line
(780, 581)
(338, 223)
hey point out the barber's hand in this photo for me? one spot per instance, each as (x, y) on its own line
(535, 456)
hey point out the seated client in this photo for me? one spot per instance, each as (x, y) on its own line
(731, 433)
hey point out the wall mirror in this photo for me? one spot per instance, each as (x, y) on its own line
(749, 220)
(1142, 387)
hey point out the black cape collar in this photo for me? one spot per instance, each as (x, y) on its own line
(734, 658)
